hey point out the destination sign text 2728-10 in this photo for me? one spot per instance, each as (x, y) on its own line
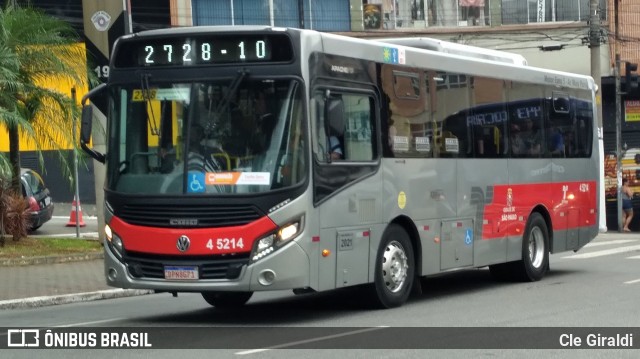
(204, 50)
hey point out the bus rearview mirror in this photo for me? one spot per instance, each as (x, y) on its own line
(86, 124)
(334, 114)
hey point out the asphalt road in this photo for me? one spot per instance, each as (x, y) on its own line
(57, 226)
(595, 288)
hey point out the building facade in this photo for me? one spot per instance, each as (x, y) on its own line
(526, 27)
(548, 33)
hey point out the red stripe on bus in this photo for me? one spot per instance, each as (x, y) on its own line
(570, 205)
(203, 241)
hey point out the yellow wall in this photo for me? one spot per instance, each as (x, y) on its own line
(25, 143)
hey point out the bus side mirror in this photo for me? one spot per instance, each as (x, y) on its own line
(86, 124)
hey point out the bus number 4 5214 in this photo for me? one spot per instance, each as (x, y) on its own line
(226, 244)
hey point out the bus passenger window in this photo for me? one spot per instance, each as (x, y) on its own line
(556, 142)
(525, 139)
(489, 142)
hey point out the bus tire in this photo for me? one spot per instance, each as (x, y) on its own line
(535, 250)
(227, 299)
(394, 268)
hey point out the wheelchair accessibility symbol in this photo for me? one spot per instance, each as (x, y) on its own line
(468, 238)
(196, 182)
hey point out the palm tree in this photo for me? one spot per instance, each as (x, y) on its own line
(35, 47)
(9, 67)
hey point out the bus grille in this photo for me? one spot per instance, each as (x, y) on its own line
(207, 216)
(152, 266)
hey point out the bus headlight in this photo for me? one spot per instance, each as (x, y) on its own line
(114, 241)
(269, 243)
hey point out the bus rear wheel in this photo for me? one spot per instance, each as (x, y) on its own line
(535, 255)
(227, 299)
(395, 268)
(535, 250)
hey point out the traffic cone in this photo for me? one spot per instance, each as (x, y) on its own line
(72, 216)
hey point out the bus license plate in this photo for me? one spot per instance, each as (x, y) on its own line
(181, 272)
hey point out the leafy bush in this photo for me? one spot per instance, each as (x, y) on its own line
(14, 213)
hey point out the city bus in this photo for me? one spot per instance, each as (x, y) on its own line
(255, 158)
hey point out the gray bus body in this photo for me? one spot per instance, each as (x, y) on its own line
(428, 178)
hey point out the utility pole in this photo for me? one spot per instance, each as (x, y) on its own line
(618, 121)
(594, 46)
(76, 197)
(301, 13)
(104, 22)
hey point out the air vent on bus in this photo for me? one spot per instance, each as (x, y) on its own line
(208, 215)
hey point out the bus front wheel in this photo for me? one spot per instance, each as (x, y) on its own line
(227, 299)
(394, 271)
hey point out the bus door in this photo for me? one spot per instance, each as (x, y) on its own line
(347, 184)
(561, 127)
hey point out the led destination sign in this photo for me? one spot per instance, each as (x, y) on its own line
(204, 50)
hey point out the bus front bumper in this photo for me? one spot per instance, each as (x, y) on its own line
(287, 268)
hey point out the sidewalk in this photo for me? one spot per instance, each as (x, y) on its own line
(59, 283)
(42, 281)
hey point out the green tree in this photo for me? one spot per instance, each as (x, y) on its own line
(34, 48)
(9, 67)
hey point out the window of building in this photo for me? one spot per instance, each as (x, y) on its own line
(538, 11)
(458, 13)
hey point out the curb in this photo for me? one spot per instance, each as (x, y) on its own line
(70, 298)
(11, 262)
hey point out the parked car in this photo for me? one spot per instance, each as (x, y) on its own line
(40, 203)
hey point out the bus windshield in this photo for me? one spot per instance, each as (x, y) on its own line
(205, 138)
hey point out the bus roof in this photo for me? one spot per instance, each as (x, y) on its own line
(204, 29)
(428, 43)
(436, 54)
(419, 57)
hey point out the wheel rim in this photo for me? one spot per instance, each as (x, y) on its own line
(536, 247)
(395, 266)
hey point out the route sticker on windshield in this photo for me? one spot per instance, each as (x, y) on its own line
(172, 94)
(139, 95)
(238, 178)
